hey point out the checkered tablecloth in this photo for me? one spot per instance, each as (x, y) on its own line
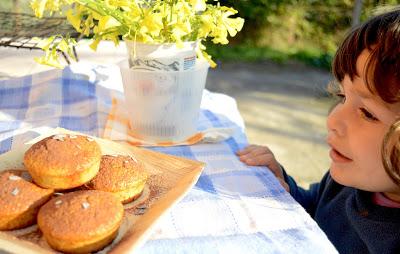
(233, 208)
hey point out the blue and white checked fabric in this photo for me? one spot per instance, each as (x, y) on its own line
(233, 208)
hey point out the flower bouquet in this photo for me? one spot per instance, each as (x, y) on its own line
(139, 21)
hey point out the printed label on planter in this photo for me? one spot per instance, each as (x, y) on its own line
(162, 57)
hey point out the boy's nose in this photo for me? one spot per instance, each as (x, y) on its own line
(335, 122)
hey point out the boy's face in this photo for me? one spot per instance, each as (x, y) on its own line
(356, 128)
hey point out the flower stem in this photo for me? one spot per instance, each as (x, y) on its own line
(104, 11)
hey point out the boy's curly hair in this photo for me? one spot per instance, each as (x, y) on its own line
(391, 152)
(381, 36)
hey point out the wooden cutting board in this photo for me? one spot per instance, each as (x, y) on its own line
(170, 179)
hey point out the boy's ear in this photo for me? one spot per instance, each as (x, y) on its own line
(391, 152)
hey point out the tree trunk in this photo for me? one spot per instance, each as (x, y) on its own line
(356, 13)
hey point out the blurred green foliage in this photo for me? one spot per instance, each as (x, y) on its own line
(306, 30)
(243, 52)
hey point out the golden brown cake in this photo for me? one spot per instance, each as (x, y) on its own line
(81, 221)
(20, 201)
(63, 161)
(24, 174)
(121, 175)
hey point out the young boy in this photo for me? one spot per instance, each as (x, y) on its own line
(357, 202)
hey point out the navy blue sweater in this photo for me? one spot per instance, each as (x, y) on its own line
(352, 222)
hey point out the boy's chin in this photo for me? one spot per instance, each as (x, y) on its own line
(337, 176)
(341, 179)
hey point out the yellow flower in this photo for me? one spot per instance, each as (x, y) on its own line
(199, 5)
(220, 36)
(207, 25)
(203, 54)
(151, 23)
(231, 24)
(45, 44)
(74, 19)
(133, 10)
(88, 24)
(105, 23)
(95, 43)
(39, 7)
(180, 30)
(49, 59)
(184, 10)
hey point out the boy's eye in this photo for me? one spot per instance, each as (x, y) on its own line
(367, 115)
(341, 97)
